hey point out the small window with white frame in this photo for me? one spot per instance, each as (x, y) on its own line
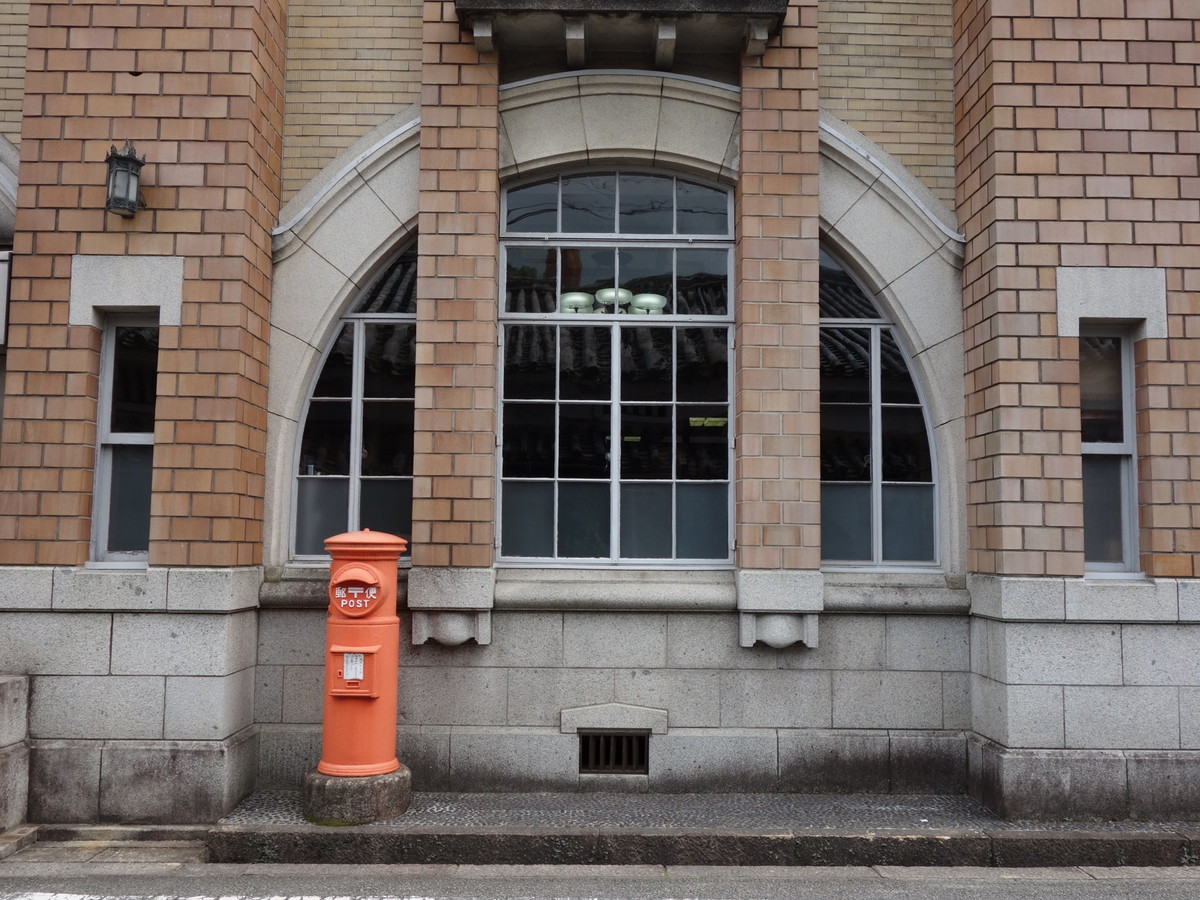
(128, 389)
(1108, 448)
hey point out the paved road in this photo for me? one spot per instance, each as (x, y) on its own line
(142, 881)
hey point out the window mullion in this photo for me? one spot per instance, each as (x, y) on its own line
(356, 427)
(876, 425)
(614, 439)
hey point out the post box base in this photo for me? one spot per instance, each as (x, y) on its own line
(346, 800)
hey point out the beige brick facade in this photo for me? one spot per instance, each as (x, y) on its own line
(13, 20)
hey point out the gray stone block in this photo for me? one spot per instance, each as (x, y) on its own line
(1189, 718)
(26, 587)
(710, 641)
(334, 800)
(1018, 715)
(792, 590)
(1032, 653)
(14, 785)
(14, 709)
(439, 587)
(200, 709)
(620, 640)
(426, 752)
(64, 781)
(1189, 600)
(887, 700)
(776, 699)
(928, 762)
(183, 644)
(819, 761)
(1008, 597)
(980, 629)
(706, 759)
(1117, 718)
(615, 717)
(285, 753)
(928, 643)
(174, 782)
(513, 759)
(445, 696)
(56, 643)
(195, 589)
(847, 642)
(110, 589)
(1162, 654)
(956, 700)
(538, 696)
(268, 694)
(291, 637)
(1164, 786)
(1122, 601)
(519, 640)
(691, 698)
(90, 707)
(303, 695)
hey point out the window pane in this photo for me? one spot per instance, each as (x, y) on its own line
(322, 507)
(129, 498)
(390, 359)
(387, 441)
(529, 280)
(394, 291)
(907, 522)
(845, 442)
(701, 282)
(529, 361)
(1103, 510)
(528, 440)
(646, 370)
(134, 379)
(584, 430)
(386, 506)
(645, 442)
(589, 203)
(337, 374)
(583, 520)
(527, 519)
(702, 444)
(589, 269)
(841, 297)
(702, 520)
(702, 210)
(703, 355)
(585, 363)
(647, 203)
(647, 271)
(905, 445)
(846, 522)
(845, 365)
(895, 383)
(325, 446)
(1101, 394)
(646, 521)
(533, 207)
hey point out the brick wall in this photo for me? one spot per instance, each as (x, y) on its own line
(777, 396)
(455, 425)
(13, 15)
(205, 107)
(1077, 140)
(887, 68)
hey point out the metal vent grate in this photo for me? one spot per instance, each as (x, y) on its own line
(614, 753)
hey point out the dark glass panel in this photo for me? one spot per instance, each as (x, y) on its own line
(907, 523)
(845, 365)
(530, 279)
(646, 370)
(1101, 392)
(905, 445)
(395, 290)
(701, 210)
(527, 519)
(325, 446)
(390, 359)
(845, 442)
(895, 382)
(529, 361)
(588, 269)
(701, 282)
(533, 208)
(846, 522)
(528, 440)
(703, 365)
(129, 498)
(647, 270)
(583, 442)
(702, 521)
(321, 512)
(646, 521)
(585, 363)
(337, 375)
(387, 441)
(841, 297)
(589, 204)
(583, 520)
(386, 505)
(134, 379)
(1103, 509)
(702, 442)
(645, 442)
(647, 204)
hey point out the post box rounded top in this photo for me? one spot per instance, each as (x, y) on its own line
(372, 541)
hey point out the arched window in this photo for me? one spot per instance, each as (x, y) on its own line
(356, 441)
(616, 335)
(877, 472)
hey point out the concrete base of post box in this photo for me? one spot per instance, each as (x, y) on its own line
(343, 800)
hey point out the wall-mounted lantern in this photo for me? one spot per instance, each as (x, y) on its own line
(124, 179)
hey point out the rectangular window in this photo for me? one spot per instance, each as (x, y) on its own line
(128, 388)
(1109, 473)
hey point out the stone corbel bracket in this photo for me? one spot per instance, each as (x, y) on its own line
(779, 608)
(451, 606)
